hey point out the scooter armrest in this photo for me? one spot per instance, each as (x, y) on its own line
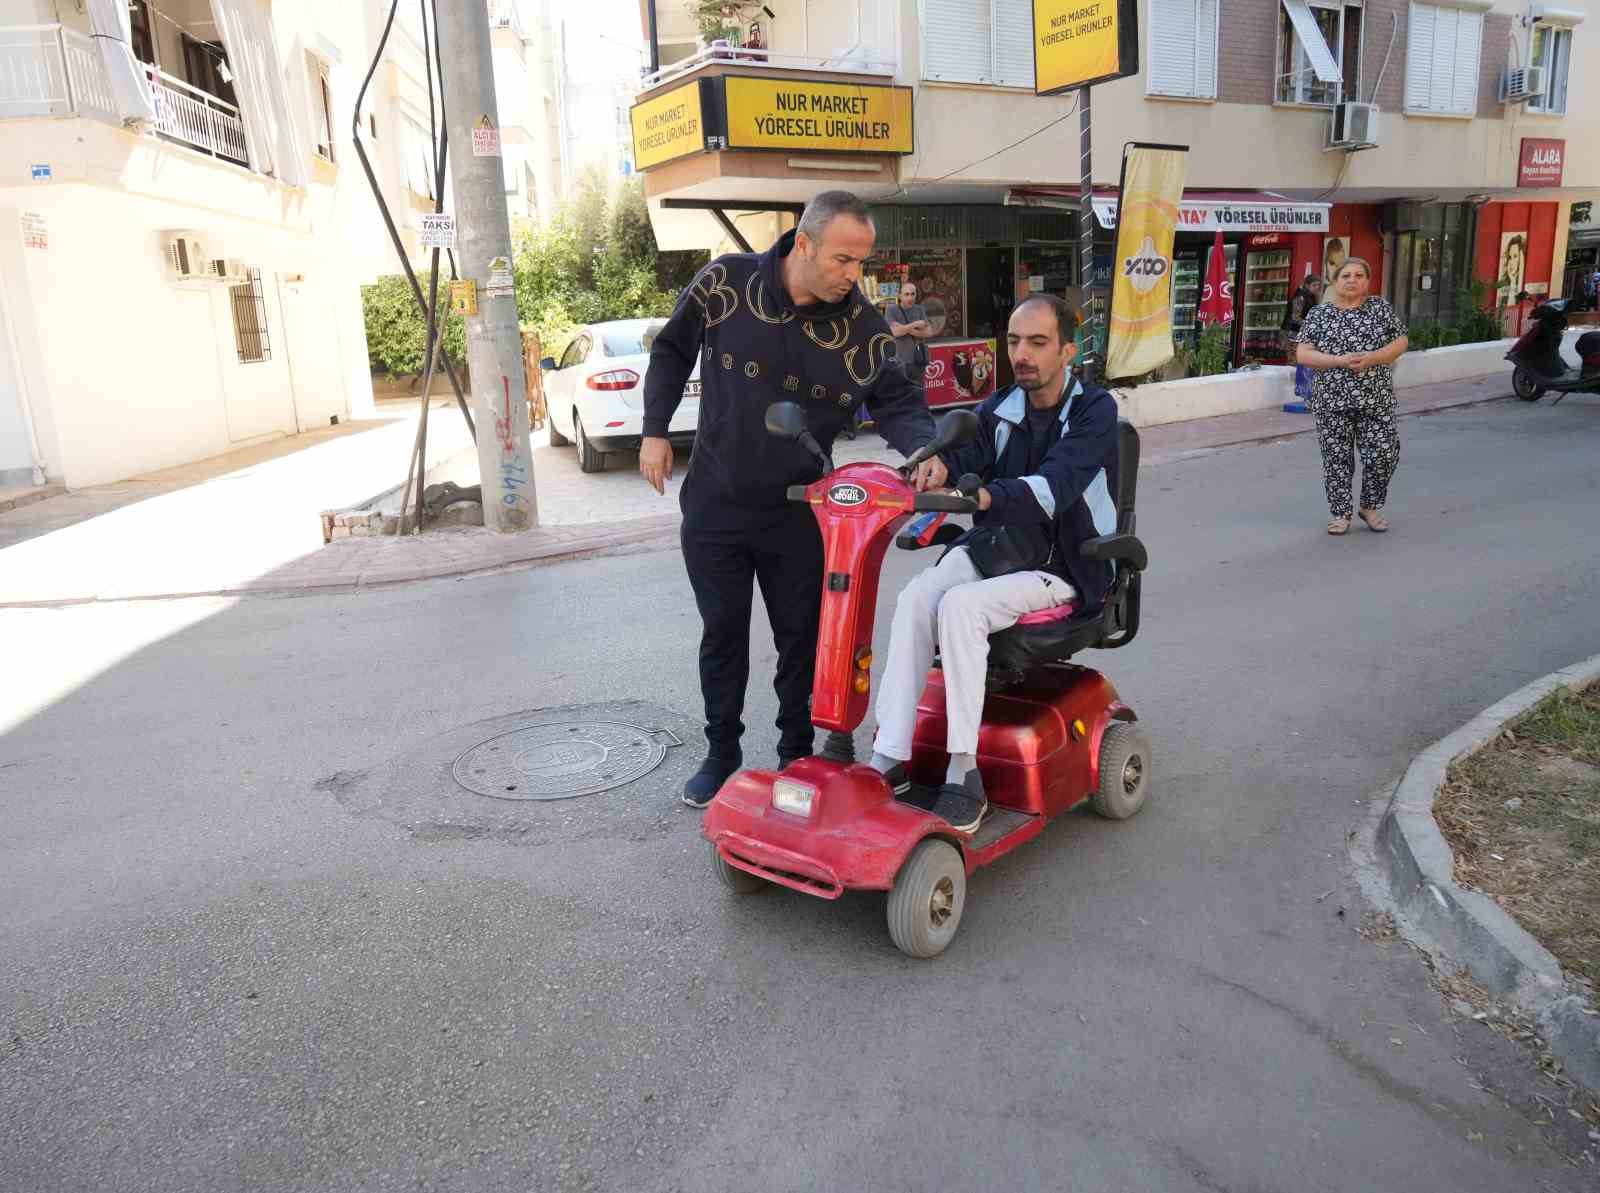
(1124, 548)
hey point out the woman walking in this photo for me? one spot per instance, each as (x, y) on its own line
(1351, 342)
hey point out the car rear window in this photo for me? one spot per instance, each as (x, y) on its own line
(631, 343)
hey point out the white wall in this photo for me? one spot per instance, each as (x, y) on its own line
(16, 457)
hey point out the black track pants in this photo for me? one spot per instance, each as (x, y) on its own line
(783, 553)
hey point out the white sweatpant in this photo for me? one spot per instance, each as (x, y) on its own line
(962, 608)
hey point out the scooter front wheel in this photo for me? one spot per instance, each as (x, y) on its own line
(740, 882)
(928, 898)
(1525, 386)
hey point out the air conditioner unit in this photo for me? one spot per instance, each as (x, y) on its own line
(1353, 126)
(187, 263)
(1521, 83)
(229, 271)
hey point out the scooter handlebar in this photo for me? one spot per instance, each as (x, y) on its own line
(946, 503)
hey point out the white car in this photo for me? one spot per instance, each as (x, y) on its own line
(595, 395)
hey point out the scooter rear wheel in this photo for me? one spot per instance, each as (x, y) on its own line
(1124, 771)
(740, 882)
(928, 898)
(1525, 386)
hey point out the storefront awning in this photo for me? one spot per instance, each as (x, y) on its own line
(1202, 211)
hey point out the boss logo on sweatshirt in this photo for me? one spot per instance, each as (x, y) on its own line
(847, 494)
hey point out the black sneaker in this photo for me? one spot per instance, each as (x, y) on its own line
(962, 804)
(704, 784)
(899, 780)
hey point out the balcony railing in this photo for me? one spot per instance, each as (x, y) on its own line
(47, 70)
(854, 62)
(196, 118)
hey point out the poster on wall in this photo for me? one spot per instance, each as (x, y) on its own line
(1335, 251)
(1511, 278)
(937, 275)
(960, 373)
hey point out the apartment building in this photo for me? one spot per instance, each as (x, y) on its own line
(1445, 141)
(185, 224)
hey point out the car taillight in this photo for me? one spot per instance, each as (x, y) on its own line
(615, 379)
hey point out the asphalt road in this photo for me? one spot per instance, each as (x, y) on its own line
(253, 939)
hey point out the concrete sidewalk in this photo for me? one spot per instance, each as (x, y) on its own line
(255, 529)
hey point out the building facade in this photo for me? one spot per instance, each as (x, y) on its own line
(1447, 143)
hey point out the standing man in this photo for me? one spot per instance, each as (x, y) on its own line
(784, 325)
(908, 323)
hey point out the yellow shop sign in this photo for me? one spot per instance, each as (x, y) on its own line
(827, 117)
(1079, 42)
(668, 126)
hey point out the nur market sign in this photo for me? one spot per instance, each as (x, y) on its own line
(1252, 215)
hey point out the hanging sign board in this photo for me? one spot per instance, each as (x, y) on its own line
(1077, 43)
(438, 231)
(485, 138)
(1541, 162)
(796, 114)
(668, 126)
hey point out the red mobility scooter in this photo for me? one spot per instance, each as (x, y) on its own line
(1053, 735)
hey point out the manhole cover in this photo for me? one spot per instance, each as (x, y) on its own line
(562, 759)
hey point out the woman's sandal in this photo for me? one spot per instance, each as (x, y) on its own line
(1338, 525)
(1374, 519)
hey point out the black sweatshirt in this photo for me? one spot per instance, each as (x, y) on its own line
(756, 348)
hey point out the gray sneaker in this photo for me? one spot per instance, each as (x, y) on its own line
(963, 804)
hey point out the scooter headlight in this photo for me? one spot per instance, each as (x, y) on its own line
(793, 798)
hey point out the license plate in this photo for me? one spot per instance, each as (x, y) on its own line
(691, 389)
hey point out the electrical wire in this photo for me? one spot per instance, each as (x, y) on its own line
(906, 190)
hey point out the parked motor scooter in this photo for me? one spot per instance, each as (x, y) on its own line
(1539, 366)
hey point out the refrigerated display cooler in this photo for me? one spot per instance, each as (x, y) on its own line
(1185, 297)
(1267, 288)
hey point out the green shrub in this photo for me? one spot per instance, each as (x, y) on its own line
(397, 333)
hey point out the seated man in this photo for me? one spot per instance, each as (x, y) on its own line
(1047, 456)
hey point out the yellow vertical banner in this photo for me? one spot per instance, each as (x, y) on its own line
(1141, 287)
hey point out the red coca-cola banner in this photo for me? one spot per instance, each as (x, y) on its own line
(960, 372)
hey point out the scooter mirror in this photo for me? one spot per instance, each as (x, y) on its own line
(956, 427)
(786, 420)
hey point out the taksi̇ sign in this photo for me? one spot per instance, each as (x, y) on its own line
(1542, 162)
(828, 117)
(668, 126)
(1080, 42)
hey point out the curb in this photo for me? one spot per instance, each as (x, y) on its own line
(1468, 928)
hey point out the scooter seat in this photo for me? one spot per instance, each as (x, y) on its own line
(1048, 616)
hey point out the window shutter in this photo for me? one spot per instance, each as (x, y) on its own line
(1173, 52)
(1419, 56)
(1013, 43)
(1441, 79)
(1469, 52)
(956, 41)
(1205, 49)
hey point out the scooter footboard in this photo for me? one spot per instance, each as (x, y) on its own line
(782, 866)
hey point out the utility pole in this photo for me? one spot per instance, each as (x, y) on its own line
(483, 244)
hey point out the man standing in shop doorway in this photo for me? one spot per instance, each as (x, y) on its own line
(787, 325)
(908, 323)
(1302, 304)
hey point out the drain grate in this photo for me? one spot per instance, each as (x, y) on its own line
(561, 759)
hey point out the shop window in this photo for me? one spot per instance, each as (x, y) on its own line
(1444, 51)
(1183, 49)
(1552, 49)
(978, 41)
(1338, 25)
(250, 321)
(317, 74)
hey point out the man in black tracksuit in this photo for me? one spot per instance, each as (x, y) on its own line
(784, 325)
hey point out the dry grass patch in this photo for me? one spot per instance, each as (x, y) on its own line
(1523, 817)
